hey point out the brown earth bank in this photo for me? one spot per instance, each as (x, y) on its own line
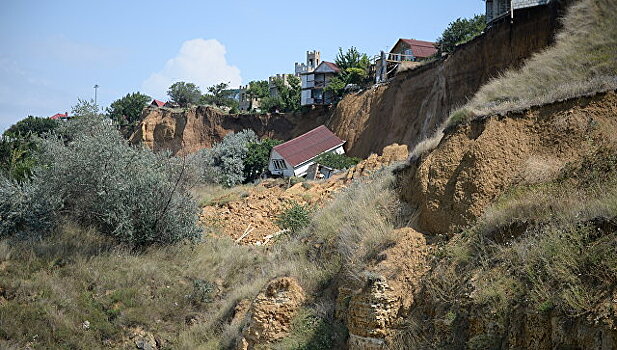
(476, 162)
(418, 101)
(184, 131)
(403, 111)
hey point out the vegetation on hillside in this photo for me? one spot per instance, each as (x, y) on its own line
(88, 174)
(78, 287)
(184, 94)
(459, 32)
(287, 99)
(582, 60)
(337, 161)
(127, 110)
(354, 67)
(547, 248)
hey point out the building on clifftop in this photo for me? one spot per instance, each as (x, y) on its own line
(497, 9)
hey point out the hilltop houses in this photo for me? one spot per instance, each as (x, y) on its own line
(314, 83)
(404, 51)
(497, 9)
(295, 157)
(157, 103)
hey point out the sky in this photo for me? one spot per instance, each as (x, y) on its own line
(53, 52)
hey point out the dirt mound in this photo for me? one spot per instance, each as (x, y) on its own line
(271, 313)
(476, 162)
(391, 154)
(251, 219)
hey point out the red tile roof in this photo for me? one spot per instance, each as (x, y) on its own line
(308, 146)
(59, 116)
(420, 49)
(157, 103)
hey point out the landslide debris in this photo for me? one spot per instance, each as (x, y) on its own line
(253, 215)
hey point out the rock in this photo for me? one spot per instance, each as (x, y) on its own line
(271, 313)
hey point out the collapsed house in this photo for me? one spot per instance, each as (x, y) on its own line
(294, 157)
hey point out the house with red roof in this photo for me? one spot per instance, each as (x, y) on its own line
(60, 116)
(405, 51)
(294, 157)
(157, 103)
(314, 83)
(412, 50)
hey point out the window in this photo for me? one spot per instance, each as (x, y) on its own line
(279, 164)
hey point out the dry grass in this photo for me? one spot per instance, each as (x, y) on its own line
(50, 287)
(583, 60)
(428, 144)
(540, 247)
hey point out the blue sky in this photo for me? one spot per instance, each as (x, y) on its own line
(53, 52)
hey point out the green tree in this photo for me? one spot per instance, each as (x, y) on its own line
(352, 58)
(17, 157)
(288, 98)
(354, 67)
(184, 93)
(127, 110)
(31, 126)
(257, 158)
(85, 108)
(18, 149)
(460, 31)
(219, 95)
(258, 89)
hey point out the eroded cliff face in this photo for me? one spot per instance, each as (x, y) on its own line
(184, 131)
(477, 162)
(417, 101)
(404, 111)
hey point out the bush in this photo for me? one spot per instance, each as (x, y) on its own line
(224, 163)
(295, 218)
(337, 161)
(25, 209)
(98, 180)
(257, 158)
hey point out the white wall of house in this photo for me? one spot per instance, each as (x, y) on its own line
(308, 82)
(274, 164)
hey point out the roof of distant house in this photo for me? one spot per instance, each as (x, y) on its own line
(330, 65)
(59, 115)
(420, 49)
(308, 146)
(157, 103)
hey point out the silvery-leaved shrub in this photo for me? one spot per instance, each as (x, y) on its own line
(25, 209)
(132, 194)
(224, 162)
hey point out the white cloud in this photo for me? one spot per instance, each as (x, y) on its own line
(199, 61)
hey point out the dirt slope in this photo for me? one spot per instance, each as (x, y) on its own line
(417, 101)
(476, 162)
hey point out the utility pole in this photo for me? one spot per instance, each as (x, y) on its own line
(96, 86)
